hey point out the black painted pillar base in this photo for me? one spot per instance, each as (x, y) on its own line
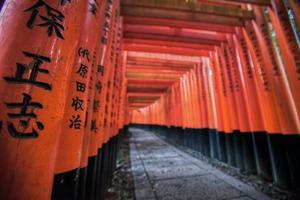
(82, 183)
(262, 156)
(229, 145)
(221, 146)
(279, 160)
(197, 139)
(184, 132)
(205, 142)
(213, 143)
(238, 150)
(181, 136)
(104, 169)
(91, 178)
(65, 185)
(201, 140)
(98, 174)
(248, 153)
(292, 143)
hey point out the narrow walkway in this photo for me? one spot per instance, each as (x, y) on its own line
(161, 171)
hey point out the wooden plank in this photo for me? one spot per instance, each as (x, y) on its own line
(180, 15)
(175, 23)
(198, 7)
(165, 49)
(169, 43)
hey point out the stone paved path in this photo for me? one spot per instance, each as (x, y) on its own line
(163, 172)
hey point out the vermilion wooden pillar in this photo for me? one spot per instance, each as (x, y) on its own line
(261, 77)
(219, 106)
(73, 141)
(289, 49)
(229, 113)
(36, 63)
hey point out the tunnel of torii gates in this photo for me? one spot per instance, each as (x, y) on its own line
(223, 75)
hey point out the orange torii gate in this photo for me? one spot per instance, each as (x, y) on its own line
(244, 103)
(221, 77)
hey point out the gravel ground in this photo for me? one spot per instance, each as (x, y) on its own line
(266, 187)
(122, 185)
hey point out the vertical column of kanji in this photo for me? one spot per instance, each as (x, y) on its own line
(118, 84)
(246, 143)
(123, 89)
(85, 182)
(228, 114)
(106, 60)
(279, 85)
(261, 76)
(246, 71)
(242, 146)
(114, 98)
(75, 116)
(113, 65)
(35, 70)
(99, 79)
(282, 89)
(115, 78)
(250, 98)
(289, 49)
(225, 115)
(110, 83)
(100, 146)
(288, 77)
(230, 88)
(220, 110)
(239, 92)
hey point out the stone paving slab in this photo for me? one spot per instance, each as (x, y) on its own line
(163, 172)
(207, 187)
(157, 173)
(160, 155)
(166, 162)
